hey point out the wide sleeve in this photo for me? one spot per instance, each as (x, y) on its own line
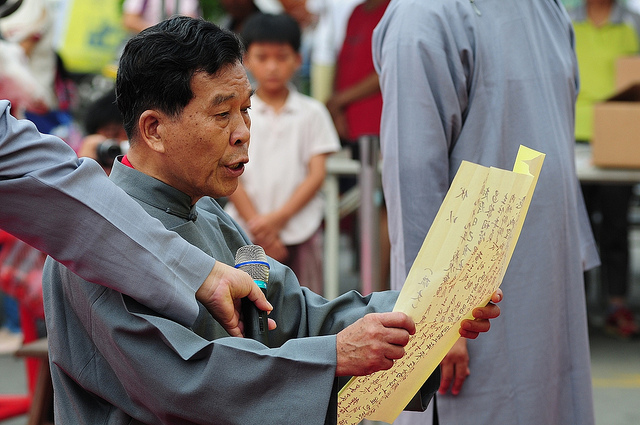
(157, 371)
(423, 69)
(68, 208)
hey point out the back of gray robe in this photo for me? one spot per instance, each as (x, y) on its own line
(473, 81)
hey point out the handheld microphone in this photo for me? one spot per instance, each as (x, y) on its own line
(253, 260)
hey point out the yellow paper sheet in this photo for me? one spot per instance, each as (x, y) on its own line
(460, 264)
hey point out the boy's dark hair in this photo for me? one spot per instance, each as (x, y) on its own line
(102, 112)
(269, 28)
(157, 65)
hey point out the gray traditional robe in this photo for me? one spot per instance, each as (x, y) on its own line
(66, 207)
(472, 80)
(112, 359)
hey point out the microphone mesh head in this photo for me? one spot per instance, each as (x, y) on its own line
(256, 262)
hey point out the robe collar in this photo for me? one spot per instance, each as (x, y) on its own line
(153, 192)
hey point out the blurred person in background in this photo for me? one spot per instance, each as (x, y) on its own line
(105, 137)
(356, 106)
(295, 8)
(605, 30)
(17, 83)
(299, 10)
(280, 206)
(11, 336)
(471, 81)
(237, 12)
(328, 37)
(29, 24)
(356, 103)
(140, 14)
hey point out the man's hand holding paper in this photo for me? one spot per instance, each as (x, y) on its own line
(373, 343)
(470, 329)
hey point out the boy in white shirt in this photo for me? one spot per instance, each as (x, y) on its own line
(278, 200)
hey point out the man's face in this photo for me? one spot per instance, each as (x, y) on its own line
(205, 147)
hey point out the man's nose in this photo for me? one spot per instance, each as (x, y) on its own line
(241, 133)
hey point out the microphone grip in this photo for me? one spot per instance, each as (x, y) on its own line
(255, 321)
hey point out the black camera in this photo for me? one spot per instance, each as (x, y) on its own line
(107, 151)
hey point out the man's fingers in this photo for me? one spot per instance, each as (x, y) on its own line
(394, 352)
(471, 328)
(222, 291)
(461, 374)
(497, 296)
(397, 320)
(477, 325)
(372, 343)
(257, 296)
(271, 324)
(246, 287)
(446, 376)
(399, 337)
(468, 334)
(490, 311)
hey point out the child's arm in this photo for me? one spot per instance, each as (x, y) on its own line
(261, 226)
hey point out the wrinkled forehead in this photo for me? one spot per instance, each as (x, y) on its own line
(231, 83)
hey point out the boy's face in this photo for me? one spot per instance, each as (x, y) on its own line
(272, 64)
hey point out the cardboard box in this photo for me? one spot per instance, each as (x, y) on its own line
(627, 72)
(616, 130)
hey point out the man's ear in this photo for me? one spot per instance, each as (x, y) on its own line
(149, 125)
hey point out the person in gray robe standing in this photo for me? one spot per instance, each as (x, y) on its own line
(472, 80)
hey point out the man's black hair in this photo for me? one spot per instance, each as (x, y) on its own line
(268, 28)
(157, 65)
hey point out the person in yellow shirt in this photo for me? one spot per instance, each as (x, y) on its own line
(606, 30)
